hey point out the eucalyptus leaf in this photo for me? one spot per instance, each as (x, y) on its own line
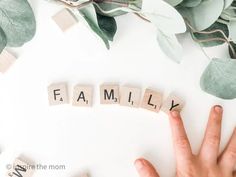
(17, 21)
(214, 36)
(170, 46)
(3, 40)
(219, 78)
(163, 16)
(190, 3)
(204, 15)
(228, 3)
(174, 2)
(107, 25)
(232, 51)
(90, 18)
(232, 30)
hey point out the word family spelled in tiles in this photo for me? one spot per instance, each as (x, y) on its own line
(152, 100)
(64, 19)
(20, 169)
(58, 94)
(6, 60)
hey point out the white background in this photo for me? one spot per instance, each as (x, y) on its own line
(105, 139)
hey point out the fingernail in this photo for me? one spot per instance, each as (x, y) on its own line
(139, 164)
(175, 114)
(218, 109)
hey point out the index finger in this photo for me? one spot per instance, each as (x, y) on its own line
(181, 143)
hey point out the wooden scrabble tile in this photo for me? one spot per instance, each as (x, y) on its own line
(109, 94)
(20, 169)
(130, 96)
(152, 100)
(82, 96)
(58, 94)
(6, 60)
(172, 103)
(64, 19)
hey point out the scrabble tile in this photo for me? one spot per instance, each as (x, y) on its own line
(6, 60)
(82, 96)
(64, 19)
(20, 169)
(152, 100)
(109, 94)
(58, 94)
(130, 96)
(172, 103)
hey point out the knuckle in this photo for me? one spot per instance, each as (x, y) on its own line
(213, 139)
(182, 142)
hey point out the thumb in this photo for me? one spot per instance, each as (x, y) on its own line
(145, 168)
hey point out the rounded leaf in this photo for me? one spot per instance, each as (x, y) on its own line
(219, 78)
(204, 15)
(190, 3)
(17, 21)
(163, 16)
(174, 2)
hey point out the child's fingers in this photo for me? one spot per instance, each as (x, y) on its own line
(210, 147)
(227, 159)
(145, 168)
(180, 139)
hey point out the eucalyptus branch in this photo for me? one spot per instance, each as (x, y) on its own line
(211, 39)
(142, 17)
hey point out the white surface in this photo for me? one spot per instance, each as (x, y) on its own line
(105, 140)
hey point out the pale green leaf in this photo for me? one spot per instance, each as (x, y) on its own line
(163, 16)
(190, 3)
(3, 40)
(107, 25)
(17, 21)
(228, 3)
(90, 18)
(170, 46)
(174, 2)
(232, 30)
(219, 78)
(204, 15)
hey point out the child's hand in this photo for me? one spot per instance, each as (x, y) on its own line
(208, 163)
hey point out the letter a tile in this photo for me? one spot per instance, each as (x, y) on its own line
(82, 96)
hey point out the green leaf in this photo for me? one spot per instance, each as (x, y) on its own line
(232, 51)
(107, 25)
(90, 18)
(165, 17)
(118, 7)
(174, 2)
(228, 3)
(17, 21)
(170, 46)
(190, 3)
(232, 30)
(204, 15)
(3, 40)
(213, 35)
(219, 78)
